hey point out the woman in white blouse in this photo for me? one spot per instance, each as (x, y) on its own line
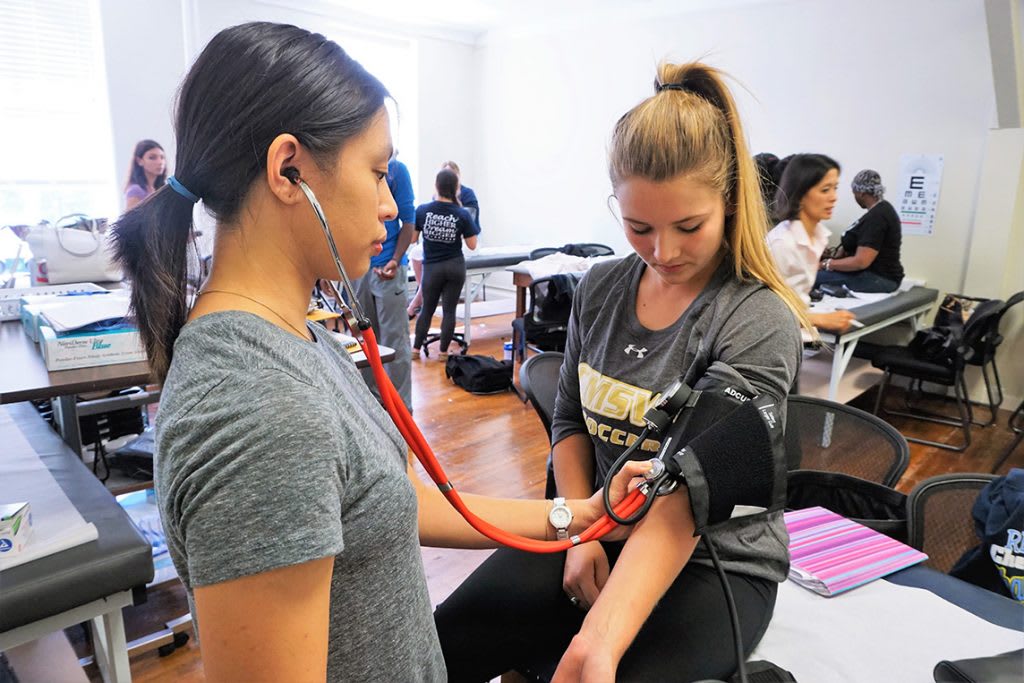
(806, 196)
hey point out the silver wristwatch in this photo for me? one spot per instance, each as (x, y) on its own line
(560, 518)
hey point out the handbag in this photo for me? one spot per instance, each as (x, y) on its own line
(73, 250)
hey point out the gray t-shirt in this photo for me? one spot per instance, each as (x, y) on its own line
(270, 452)
(741, 333)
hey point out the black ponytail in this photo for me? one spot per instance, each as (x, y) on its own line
(251, 83)
(152, 242)
(447, 185)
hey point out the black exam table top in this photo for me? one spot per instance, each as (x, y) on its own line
(118, 560)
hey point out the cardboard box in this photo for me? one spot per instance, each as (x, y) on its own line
(15, 527)
(89, 349)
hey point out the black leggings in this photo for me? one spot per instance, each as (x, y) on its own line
(441, 280)
(511, 613)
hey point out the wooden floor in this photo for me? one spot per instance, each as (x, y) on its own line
(495, 445)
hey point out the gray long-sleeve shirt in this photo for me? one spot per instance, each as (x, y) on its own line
(737, 332)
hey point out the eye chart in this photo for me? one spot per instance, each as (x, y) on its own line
(917, 194)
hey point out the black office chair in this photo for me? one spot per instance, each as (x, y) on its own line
(831, 437)
(584, 249)
(546, 321)
(939, 517)
(542, 252)
(435, 336)
(985, 355)
(539, 379)
(845, 460)
(901, 360)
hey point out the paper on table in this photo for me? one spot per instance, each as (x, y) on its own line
(558, 263)
(56, 523)
(830, 304)
(879, 632)
(84, 311)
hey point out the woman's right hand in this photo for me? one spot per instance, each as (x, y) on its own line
(586, 572)
(837, 321)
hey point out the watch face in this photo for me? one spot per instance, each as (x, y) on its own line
(560, 517)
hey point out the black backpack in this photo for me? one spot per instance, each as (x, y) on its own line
(479, 374)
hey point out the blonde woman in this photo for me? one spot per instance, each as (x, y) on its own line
(700, 299)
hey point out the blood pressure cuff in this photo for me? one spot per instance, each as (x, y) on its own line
(729, 450)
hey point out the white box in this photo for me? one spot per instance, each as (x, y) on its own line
(15, 528)
(90, 349)
(31, 317)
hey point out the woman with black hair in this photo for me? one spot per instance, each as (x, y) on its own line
(444, 224)
(806, 196)
(147, 172)
(283, 486)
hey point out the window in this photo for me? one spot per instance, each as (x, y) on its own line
(54, 112)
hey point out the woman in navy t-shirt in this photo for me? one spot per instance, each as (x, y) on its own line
(443, 225)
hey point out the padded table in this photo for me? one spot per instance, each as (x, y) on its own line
(479, 266)
(93, 581)
(911, 304)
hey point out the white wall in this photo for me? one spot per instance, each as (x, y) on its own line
(144, 46)
(446, 98)
(861, 80)
(449, 113)
(527, 111)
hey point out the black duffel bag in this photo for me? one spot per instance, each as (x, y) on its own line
(874, 505)
(479, 374)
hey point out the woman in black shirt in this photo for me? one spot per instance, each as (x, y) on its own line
(444, 224)
(868, 258)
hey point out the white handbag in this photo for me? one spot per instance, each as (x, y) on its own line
(73, 250)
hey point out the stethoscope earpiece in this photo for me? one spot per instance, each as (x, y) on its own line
(292, 174)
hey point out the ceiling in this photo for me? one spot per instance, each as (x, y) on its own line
(480, 16)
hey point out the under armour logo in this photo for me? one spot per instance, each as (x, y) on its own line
(632, 349)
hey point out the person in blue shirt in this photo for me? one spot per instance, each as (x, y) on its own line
(444, 224)
(467, 198)
(382, 291)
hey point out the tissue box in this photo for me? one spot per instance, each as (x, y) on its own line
(31, 306)
(15, 527)
(89, 349)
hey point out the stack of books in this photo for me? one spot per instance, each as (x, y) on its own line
(830, 554)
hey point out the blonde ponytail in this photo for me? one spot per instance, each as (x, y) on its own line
(691, 126)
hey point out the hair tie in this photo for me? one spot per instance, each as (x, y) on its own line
(181, 189)
(671, 86)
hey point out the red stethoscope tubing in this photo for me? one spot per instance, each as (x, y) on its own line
(414, 437)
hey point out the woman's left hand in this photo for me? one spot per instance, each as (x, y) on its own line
(586, 661)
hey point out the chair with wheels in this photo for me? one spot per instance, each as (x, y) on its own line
(585, 249)
(948, 371)
(939, 517)
(546, 321)
(435, 336)
(539, 379)
(832, 437)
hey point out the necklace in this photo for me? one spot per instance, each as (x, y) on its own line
(303, 334)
